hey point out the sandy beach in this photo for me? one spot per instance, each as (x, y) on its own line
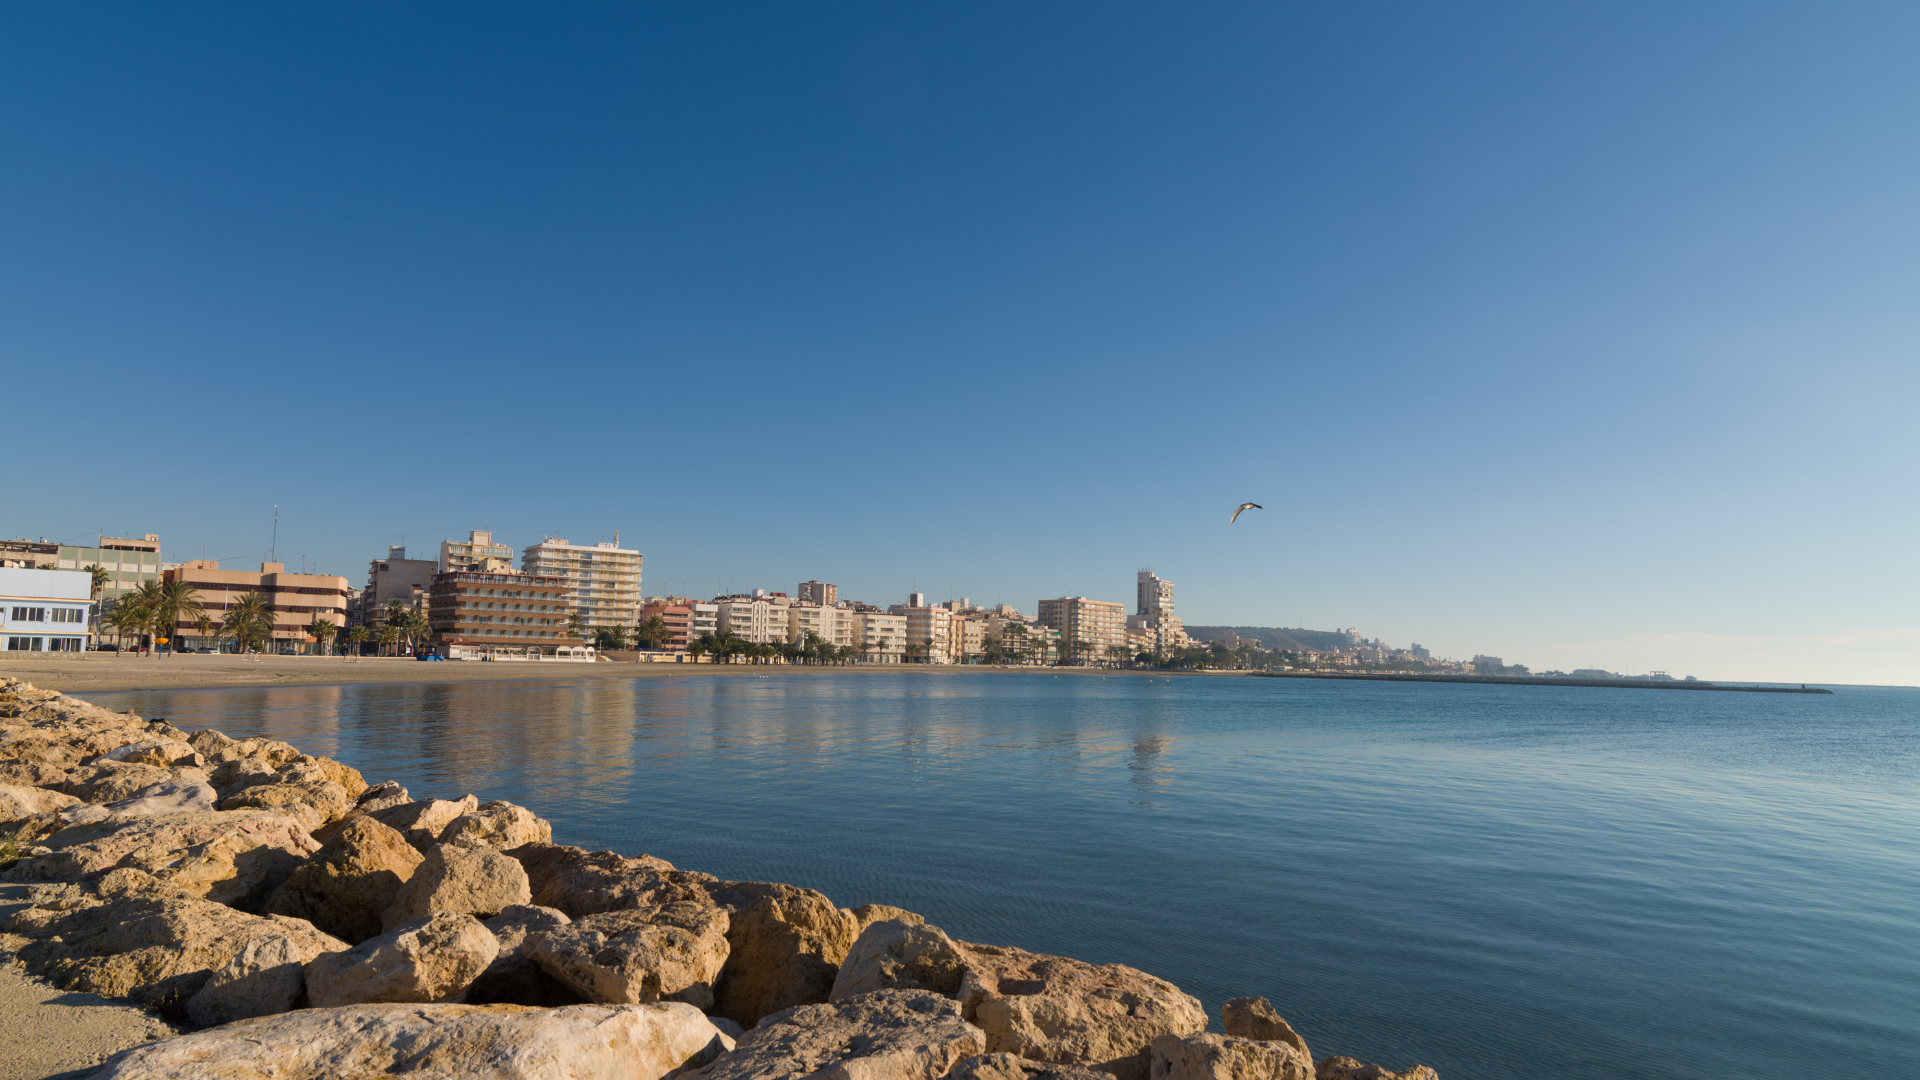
(101, 672)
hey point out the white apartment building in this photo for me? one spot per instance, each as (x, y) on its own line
(1154, 616)
(44, 610)
(759, 619)
(468, 554)
(1087, 627)
(604, 578)
(704, 620)
(929, 627)
(833, 625)
(880, 637)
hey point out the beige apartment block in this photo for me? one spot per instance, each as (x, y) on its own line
(879, 636)
(818, 592)
(605, 578)
(1154, 615)
(473, 607)
(130, 562)
(296, 599)
(967, 637)
(457, 555)
(396, 577)
(929, 628)
(833, 625)
(759, 619)
(1087, 627)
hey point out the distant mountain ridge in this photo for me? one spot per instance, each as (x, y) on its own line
(1274, 637)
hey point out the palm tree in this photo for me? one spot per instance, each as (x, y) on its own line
(100, 579)
(322, 630)
(359, 635)
(650, 632)
(171, 602)
(127, 617)
(389, 635)
(577, 625)
(206, 626)
(249, 621)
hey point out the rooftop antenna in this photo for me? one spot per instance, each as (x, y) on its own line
(273, 553)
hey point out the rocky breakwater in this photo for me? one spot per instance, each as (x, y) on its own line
(316, 926)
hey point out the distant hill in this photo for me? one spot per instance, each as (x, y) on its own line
(1274, 637)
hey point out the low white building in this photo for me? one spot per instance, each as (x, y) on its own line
(44, 610)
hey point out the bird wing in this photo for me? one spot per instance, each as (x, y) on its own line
(1243, 506)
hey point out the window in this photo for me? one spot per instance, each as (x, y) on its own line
(65, 644)
(29, 614)
(23, 644)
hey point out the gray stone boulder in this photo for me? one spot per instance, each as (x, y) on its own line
(347, 885)
(127, 935)
(231, 857)
(1256, 1018)
(1063, 1011)
(1206, 1056)
(1346, 1068)
(589, 882)
(497, 824)
(431, 959)
(478, 881)
(885, 1035)
(514, 978)
(895, 954)
(437, 1042)
(673, 952)
(262, 979)
(784, 948)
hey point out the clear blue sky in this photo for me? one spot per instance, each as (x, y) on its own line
(1580, 334)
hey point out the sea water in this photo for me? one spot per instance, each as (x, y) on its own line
(1498, 881)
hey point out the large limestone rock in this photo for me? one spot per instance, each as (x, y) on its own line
(867, 914)
(19, 802)
(44, 727)
(235, 775)
(589, 882)
(232, 857)
(263, 978)
(1014, 1067)
(497, 824)
(784, 948)
(166, 753)
(430, 959)
(895, 954)
(1055, 1009)
(112, 781)
(350, 882)
(422, 822)
(639, 955)
(127, 935)
(37, 774)
(1256, 1018)
(181, 795)
(475, 881)
(314, 803)
(1206, 1056)
(514, 978)
(381, 796)
(1346, 1068)
(216, 748)
(349, 779)
(437, 1042)
(886, 1035)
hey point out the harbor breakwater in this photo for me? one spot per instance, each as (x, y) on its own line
(311, 924)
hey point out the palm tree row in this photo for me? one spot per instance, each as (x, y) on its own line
(155, 609)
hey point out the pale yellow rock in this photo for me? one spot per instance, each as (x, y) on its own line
(1206, 1056)
(886, 1035)
(1014, 1067)
(1346, 1068)
(671, 952)
(127, 935)
(422, 822)
(497, 824)
(588, 882)
(480, 882)
(232, 857)
(314, 803)
(166, 753)
(1256, 1018)
(18, 802)
(895, 954)
(784, 948)
(261, 979)
(514, 978)
(347, 886)
(1056, 1009)
(867, 914)
(437, 1042)
(427, 960)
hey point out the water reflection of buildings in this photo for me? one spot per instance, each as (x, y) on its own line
(1147, 771)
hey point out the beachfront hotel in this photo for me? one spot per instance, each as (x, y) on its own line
(296, 600)
(604, 578)
(492, 605)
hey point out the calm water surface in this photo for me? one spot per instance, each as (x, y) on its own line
(1493, 880)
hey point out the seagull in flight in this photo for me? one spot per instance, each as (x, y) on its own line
(1243, 506)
